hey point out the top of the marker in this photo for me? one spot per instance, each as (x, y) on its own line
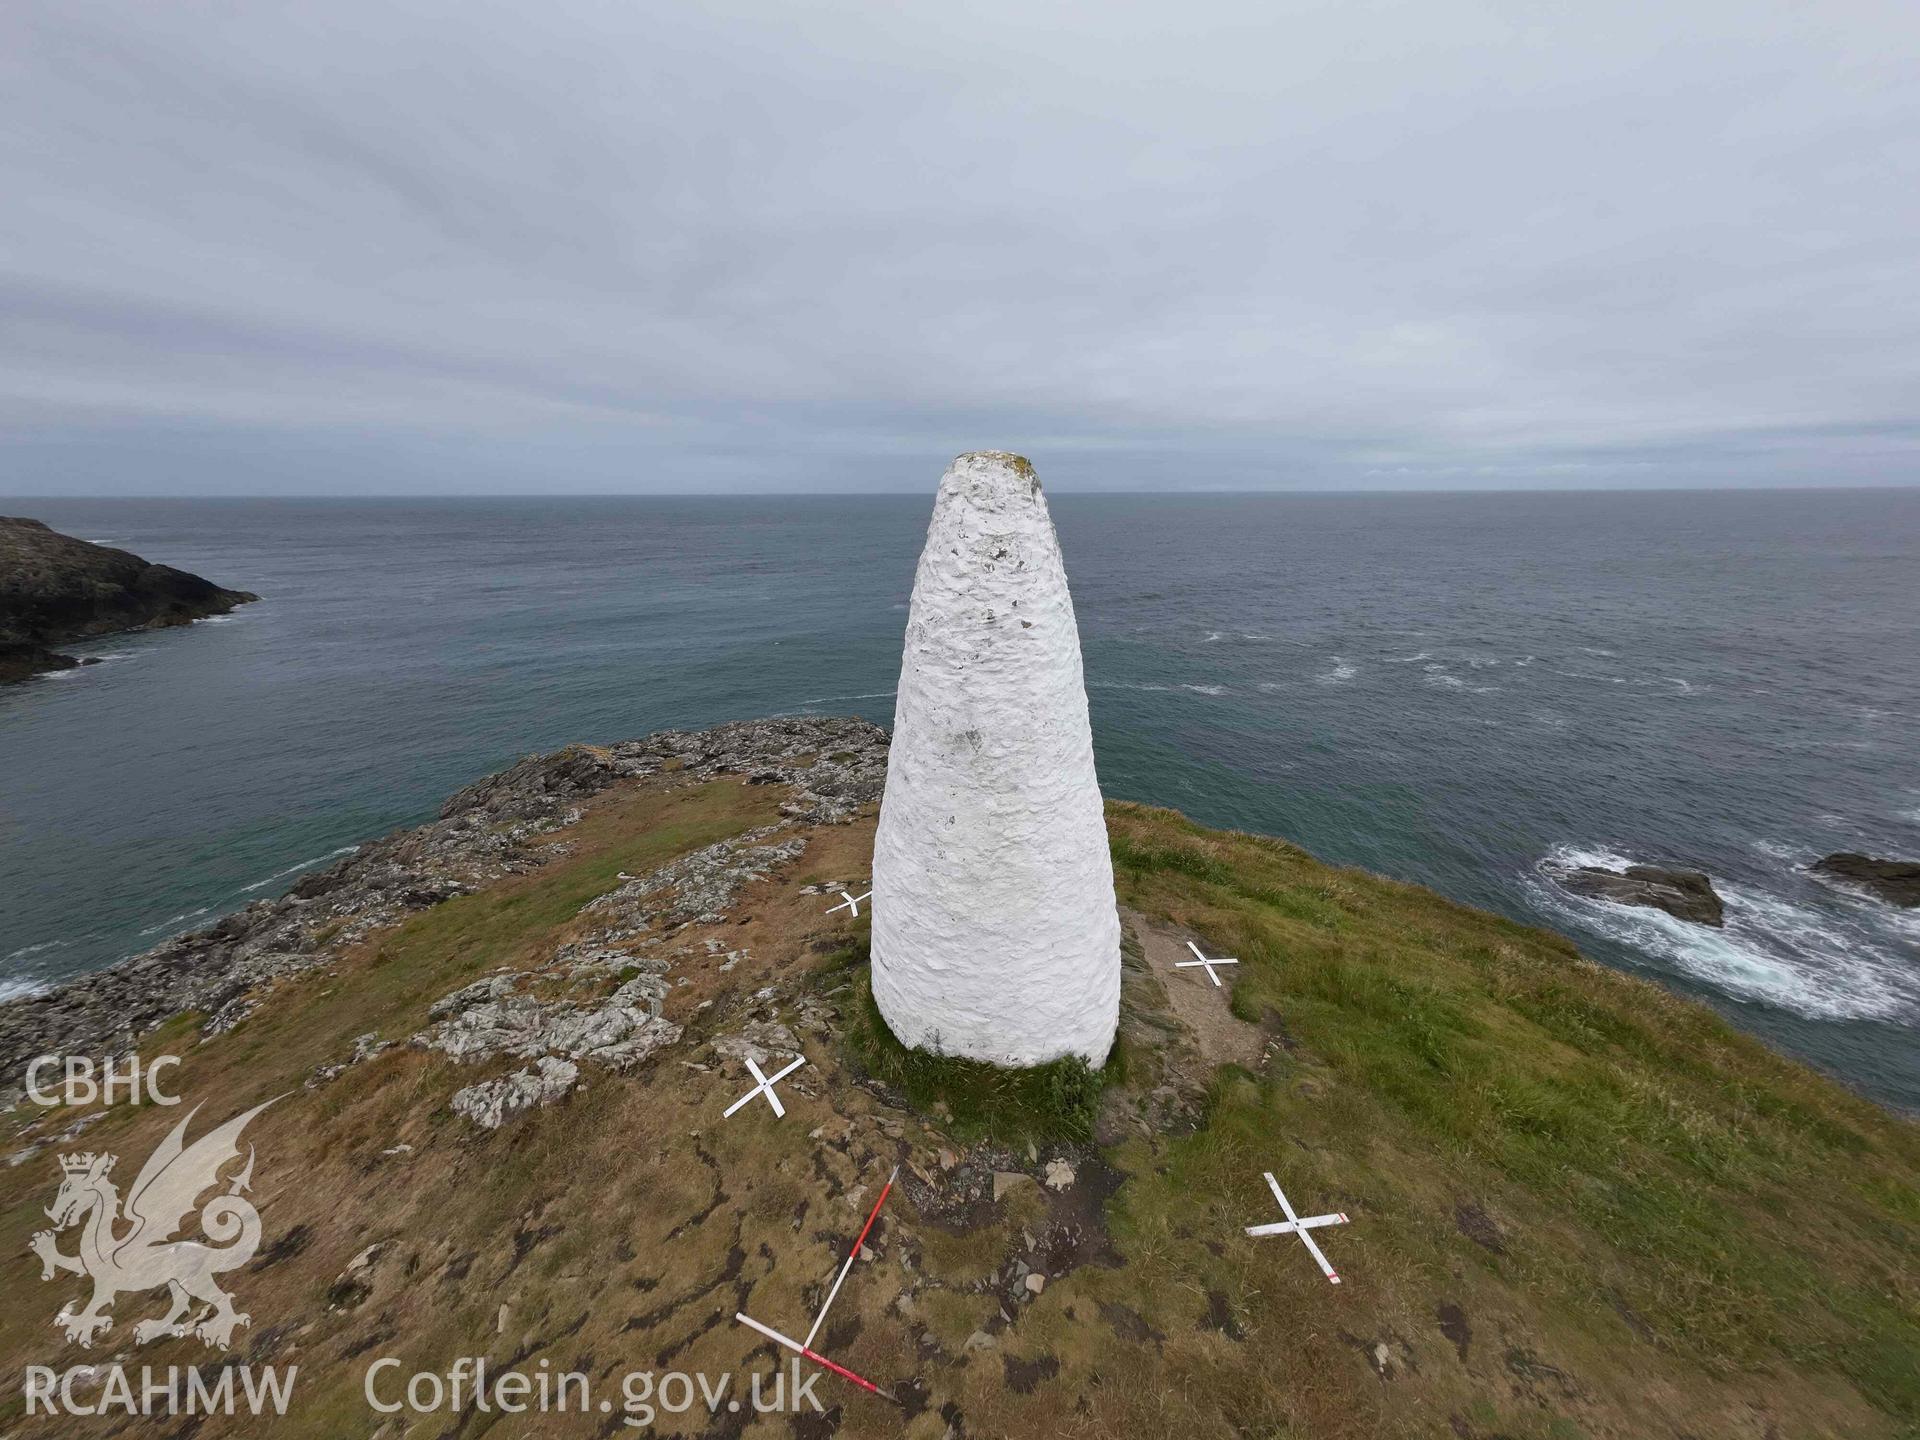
(1017, 463)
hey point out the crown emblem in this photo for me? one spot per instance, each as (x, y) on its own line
(81, 1164)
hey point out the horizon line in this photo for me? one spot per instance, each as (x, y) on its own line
(922, 491)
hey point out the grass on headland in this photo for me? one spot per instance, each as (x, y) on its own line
(1671, 1187)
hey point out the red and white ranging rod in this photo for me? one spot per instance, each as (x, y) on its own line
(798, 1348)
(805, 1347)
(852, 1255)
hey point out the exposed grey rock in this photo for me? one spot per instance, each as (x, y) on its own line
(502, 1015)
(365, 1048)
(760, 1041)
(1895, 881)
(836, 764)
(1686, 894)
(491, 1103)
(697, 889)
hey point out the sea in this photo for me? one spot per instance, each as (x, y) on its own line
(1454, 689)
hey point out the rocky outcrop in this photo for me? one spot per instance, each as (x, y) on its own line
(492, 1103)
(834, 765)
(1684, 894)
(1895, 881)
(55, 589)
(995, 931)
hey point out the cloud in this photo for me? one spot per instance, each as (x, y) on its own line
(602, 246)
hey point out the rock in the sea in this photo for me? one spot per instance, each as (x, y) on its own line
(995, 931)
(1895, 881)
(55, 588)
(1686, 894)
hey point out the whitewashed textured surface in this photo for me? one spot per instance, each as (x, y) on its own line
(995, 932)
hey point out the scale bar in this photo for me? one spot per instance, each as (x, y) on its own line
(819, 1359)
(852, 1255)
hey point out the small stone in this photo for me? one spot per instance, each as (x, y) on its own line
(363, 1260)
(500, 1326)
(1005, 1180)
(948, 1159)
(1059, 1175)
(1036, 1282)
(980, 1340)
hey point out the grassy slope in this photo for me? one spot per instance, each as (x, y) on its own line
(1684, 1219)
(1580, 1207)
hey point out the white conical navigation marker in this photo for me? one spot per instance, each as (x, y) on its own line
(995, 932)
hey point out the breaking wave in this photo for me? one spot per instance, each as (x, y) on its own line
(1439, 675)
(830, 699)
(296, 869)
(180, 921)
(25, 950)
(1343, 670)
(1815, 963)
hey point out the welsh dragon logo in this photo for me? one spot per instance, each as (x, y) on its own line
(134, 1250)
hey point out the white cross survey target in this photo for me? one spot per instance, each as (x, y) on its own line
(1294, 1225)
(1199, 959)
(764, 1086)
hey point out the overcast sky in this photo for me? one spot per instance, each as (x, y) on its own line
(262, 247)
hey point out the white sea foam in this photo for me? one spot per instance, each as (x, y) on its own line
(864, 695)
(1343, 670)
(1438, 675)
(296, 869)
(1405, 659)
(1212, 636)
(1820, 965)
(45, 945)
(1123, 685)
(19, 989)
(176, 922)
(1206, 689)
